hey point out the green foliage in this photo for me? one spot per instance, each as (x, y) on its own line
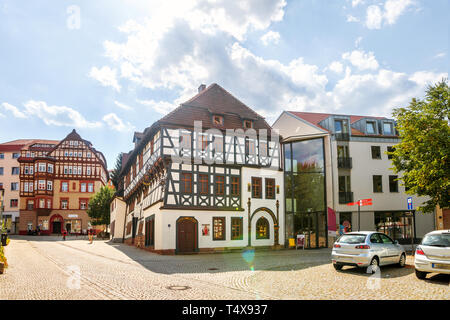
(423, 154)
(115, 178)
(98, 209)
(2, 256)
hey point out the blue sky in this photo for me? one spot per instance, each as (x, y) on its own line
(111, 67)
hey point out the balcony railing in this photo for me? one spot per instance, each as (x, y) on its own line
(345, 197)
(345, 163)
(341, 136)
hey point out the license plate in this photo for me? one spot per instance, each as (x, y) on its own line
(440, 266)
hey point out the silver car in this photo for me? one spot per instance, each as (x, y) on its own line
(368, 249)
(433, 254)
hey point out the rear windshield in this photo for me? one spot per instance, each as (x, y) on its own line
(437, 240)
(352, 238)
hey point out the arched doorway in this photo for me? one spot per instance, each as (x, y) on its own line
(263, 223)
(187, 235)
(56, 224)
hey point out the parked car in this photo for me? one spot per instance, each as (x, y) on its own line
(367, 249)
(433, 254)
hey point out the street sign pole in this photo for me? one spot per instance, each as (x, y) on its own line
(359, 215)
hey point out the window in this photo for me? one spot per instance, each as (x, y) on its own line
(390, 149)
(185, 141)
(90, 187)
(340, 126)
(235, 186)
(2, 155)
(15, 170)
(88, 171)
(14, 203)
(236, 228)
(49, 204)
(64, 186)
(15, 155)
(370, 127)
(248, 124)
(64, 204)
(41, 185)
(203, 183)
(186, 183)
(218, 120)
(377, 184)
(1, 171)
(202, 142)
(88, 155)
(83, 204)
(1, 185)
(41, 167)
(30, 204)
(256, 187)
(49, 185)
(42, 203)
(83, 187)
(262, 229)
(270, 188)
(393, 184)
(14, 186)
(218, 144)
(387, 128)
(385, 238)
(219, 228)
(263, 148)
(250, 147)
(376, 152)
(220, 185)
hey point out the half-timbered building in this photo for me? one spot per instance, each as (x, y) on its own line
(205, 177)
(56, 181)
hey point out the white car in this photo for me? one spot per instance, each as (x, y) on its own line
(433, 254)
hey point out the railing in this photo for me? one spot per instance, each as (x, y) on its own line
(341, 136)
(345, 197)
(345, 163)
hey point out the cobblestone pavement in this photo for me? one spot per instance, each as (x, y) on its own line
(43, 268)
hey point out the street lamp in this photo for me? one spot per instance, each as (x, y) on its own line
(2, 197)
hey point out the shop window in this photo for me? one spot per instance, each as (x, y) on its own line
(236, 228)
(345, 222)
(262, 229)
(256, 187)
(219, 228)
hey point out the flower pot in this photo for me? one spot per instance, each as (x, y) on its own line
(2, 268)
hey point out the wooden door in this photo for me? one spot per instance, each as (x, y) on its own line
(446, 218)
(186, 235)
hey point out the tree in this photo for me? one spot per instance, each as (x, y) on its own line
(423, 154)
(98, 209)
(115, 178)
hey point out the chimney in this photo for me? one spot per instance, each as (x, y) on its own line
(201, 88)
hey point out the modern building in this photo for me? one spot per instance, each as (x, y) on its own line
(332, 160)
(10, 181)
(205, 177)
(56, 181)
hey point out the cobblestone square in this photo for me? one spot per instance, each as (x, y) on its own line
(49, 268)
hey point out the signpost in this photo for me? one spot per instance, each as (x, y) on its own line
(409, 203)
(363, 202)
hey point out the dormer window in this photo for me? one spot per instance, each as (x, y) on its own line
(370, 127)
(340, 126)
(387, 128)
(248, 124)
(218, 120)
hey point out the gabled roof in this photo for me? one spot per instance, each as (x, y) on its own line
(214, 100)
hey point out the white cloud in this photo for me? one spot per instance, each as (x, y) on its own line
(15, 111)
(392, 10)
(106, 76)
(123, 106)
(440, 55)
(58, 115)
(361, 60)
(113, 121)
(336, 66)
(356, 2)
(162, 107)
(270, 37)
(351, 18)
(358, 41)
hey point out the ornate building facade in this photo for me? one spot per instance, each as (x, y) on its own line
(56, 183)
(205, 177)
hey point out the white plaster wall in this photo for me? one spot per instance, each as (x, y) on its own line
(118, 215)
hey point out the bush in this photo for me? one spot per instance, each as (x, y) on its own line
(7, 241)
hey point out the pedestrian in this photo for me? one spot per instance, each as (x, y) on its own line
(91, 236)
(64, 235)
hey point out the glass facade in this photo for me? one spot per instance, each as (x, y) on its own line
(397, 225)
(305, 191)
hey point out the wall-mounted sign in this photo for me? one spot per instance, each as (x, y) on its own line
(72, 216)
(205, 229)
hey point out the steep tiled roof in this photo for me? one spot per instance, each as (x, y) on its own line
(214, 100)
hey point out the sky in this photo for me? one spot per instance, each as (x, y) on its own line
(108, 68)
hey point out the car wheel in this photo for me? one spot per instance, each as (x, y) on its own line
(402, 261)
(337, 266)
(421, 275)
(373, 267)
